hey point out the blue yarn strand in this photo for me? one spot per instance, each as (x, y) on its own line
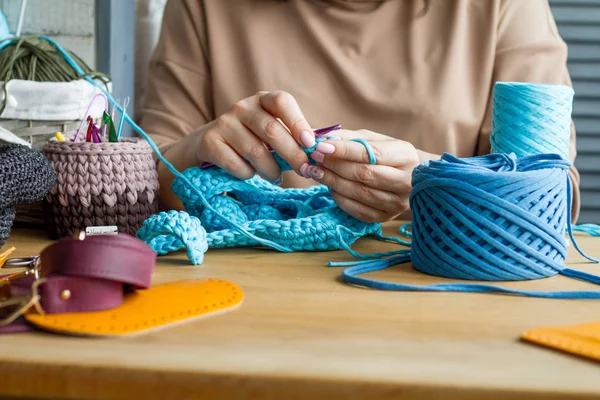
(399, 241)
(344, 245)
(406, 230)
(369, 148)
(350, 276)
(590, 229)
(570, 228)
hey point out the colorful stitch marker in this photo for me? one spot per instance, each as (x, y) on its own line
(88, 136)
(123, 113)
(112, 134)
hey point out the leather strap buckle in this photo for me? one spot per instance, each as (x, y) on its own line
(30, 262)
(32, 270)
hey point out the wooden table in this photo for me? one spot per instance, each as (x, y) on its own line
(301, 334)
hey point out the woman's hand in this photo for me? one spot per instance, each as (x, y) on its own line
(241, 133)
(371, 193)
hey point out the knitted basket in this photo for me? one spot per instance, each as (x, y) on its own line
(100, 184)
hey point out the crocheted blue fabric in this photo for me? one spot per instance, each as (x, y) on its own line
(253, 212)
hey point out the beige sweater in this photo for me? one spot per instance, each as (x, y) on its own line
(383, 66)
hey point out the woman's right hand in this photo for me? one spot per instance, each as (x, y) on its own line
(241, 133)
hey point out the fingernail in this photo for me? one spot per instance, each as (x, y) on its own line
(278, 181)
(303, 171)
(316, 172)
(325, 148)
(318, 157)
(307, 139)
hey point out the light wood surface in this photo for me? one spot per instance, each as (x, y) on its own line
(301, 334)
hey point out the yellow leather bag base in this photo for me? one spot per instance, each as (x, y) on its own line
(5, 254)
(582, 340)
(148, 310)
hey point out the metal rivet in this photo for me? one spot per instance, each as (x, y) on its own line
(65, 294)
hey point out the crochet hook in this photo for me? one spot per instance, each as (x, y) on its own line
(318, 133)
(125, 104)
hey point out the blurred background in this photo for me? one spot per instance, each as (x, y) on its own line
(118, 36)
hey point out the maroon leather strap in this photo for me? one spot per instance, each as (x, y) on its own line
(121, 258)
(90, 274)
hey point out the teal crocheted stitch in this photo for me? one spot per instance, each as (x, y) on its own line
(293, 219)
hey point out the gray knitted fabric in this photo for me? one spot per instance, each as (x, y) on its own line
(26, 176)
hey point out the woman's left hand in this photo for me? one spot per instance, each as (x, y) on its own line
(371, 193)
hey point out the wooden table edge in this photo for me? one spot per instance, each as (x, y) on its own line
(102, 382)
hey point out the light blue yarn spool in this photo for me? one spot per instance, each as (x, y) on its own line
(529, 119)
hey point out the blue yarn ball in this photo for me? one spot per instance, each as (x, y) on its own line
(490, 218)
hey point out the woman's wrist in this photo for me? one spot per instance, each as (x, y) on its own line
(425, 156)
